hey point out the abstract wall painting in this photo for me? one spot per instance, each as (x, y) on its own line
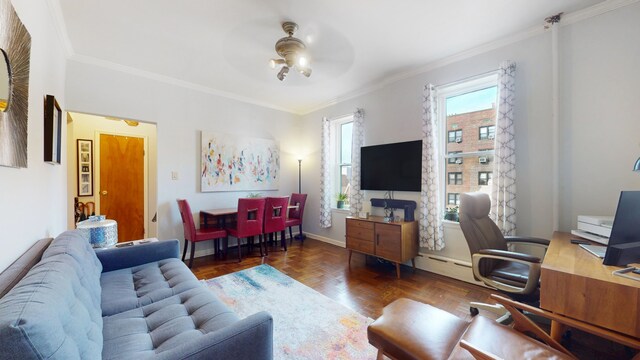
(15, 49)
(238, 163)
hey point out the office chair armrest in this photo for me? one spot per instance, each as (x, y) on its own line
(510, 255)
(476, 352)
(527, 239)
(534, 270)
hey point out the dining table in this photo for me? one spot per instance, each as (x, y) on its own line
(223, 216)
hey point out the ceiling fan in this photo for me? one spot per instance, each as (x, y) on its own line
(292, 53)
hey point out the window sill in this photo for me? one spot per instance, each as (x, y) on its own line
(450, 224)
(341, 211)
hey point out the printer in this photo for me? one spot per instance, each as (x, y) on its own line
(594, 228)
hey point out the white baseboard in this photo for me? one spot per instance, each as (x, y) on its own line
(327, 240)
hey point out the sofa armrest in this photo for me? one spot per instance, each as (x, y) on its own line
(249, 339)
(126, 257)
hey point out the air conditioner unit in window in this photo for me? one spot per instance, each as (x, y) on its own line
(491, 137)
(483, 159)
(458, 161)
(459, 139)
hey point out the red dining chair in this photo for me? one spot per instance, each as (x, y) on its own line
(295, 214)
(275, 216)
(249, 223)
(193, 235)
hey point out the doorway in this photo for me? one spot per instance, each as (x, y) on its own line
(124, 170)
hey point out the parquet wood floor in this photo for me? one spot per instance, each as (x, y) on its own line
(368, 285)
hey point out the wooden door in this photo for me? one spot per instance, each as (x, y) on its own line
(122, 184)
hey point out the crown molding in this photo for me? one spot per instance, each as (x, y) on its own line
(594, 10)
(567, 19)
(61, 28)
(173, 81)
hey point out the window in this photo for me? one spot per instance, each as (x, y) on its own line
(469, 106)
(454, 160)
(487, 132)
(342, 129)
(455, 178)
(484, 177)
(453, 199)
(455, 136)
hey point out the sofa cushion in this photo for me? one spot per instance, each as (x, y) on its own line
(53, 312)
(134, 287)
(164, 325)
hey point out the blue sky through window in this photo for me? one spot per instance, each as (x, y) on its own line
(472, 101)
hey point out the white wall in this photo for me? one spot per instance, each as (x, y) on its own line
(85, 126)
(33, 200)
(180, 115)
(600, 132)
(599, 123)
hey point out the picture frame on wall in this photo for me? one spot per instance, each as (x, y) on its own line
(52, 131)
(85, 167)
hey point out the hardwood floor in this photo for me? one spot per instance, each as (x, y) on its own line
(368, 285)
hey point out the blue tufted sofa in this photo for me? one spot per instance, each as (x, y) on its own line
(138, 302)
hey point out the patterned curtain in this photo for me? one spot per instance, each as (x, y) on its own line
(431, 214)
(325, 175)
(503, 196)
(356, 196)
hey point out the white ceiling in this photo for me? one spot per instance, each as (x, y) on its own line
(225, 45)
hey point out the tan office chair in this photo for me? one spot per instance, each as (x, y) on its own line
(493, 262)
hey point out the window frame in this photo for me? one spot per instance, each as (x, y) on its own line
(488, 132)
(457, 178)
(336, 149)
(450, 90)
(489, 177)
(456, 199)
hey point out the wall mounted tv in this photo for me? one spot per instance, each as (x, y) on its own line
(392, 167)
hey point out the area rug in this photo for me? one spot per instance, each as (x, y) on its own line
(306, 324)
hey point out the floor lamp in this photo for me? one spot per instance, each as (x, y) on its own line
(300, 236)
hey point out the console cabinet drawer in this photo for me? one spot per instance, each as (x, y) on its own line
(365, 246)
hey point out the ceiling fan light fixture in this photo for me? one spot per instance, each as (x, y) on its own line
(283, 73)
(305, 71)
(275, 62)
(292, 52)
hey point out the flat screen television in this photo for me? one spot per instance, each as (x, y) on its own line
(392, 167)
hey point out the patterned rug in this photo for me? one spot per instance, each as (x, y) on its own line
(306, 324)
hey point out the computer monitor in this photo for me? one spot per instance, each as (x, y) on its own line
(624, 241)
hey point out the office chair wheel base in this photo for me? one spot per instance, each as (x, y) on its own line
(473, 311)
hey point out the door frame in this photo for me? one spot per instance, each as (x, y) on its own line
(96, 170)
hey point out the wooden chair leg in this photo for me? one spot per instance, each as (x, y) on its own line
(290, 236)
(239, 250)
(193, 253)
(300, 230)
(380, 355)
(283, 240)
(184, 252)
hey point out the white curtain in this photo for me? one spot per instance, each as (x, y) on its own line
(325, 175)
(431, 214)
(356, 196)
(503, 196)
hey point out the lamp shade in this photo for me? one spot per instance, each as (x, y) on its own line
(636, 167)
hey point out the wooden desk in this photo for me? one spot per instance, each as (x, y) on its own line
(575, 284)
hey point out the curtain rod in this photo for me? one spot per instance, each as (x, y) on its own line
(468, 78)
